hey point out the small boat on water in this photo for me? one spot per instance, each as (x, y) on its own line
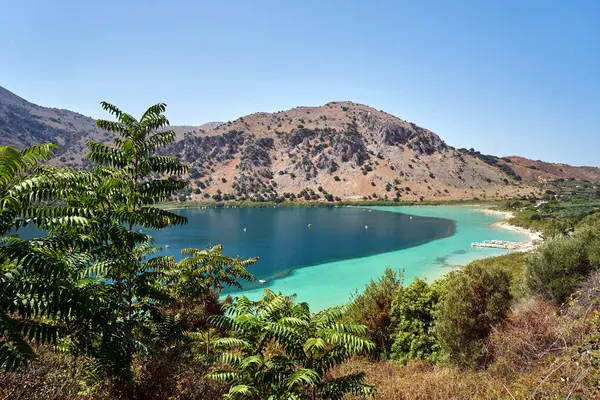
(262, 281)
(167, 246)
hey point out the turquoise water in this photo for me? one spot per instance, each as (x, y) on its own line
(325, 263)
(332, 283)
(289, 238)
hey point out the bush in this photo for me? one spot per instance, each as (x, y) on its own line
(475, 301)
(373, 307)
(561, 263)
(530, 330)
(413, 320)
(336, 178)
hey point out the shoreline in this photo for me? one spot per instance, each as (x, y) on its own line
(309, 204)
(535, 237)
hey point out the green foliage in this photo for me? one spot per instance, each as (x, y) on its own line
(556, 267)
(413, 316)
(475, 301)
(513, 264)
(557, 216)
(91, 286)
(206, 270)
(278, 348)
(372, 308)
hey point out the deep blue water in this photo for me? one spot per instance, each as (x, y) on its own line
(283, 241)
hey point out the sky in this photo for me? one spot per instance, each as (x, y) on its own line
(504, 77)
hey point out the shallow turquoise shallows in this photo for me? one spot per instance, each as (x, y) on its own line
(332, 283)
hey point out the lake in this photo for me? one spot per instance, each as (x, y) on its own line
(325, 254)
(325, 263)
(289, 238)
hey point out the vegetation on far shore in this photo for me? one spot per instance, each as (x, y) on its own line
(566, 204)
(342, 203)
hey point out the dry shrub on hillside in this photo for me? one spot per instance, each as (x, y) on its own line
(530, 332)
(419, 380)
(159, 377)
(52, 377)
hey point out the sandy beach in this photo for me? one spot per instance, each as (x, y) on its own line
(535, 237)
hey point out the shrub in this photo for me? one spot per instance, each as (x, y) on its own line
(336, 178)
(413, 320)
(475, 301)
(561, 263)
(373, 307)
(530, 330)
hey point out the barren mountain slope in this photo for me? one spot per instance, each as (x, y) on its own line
(540, 171)
(24, 124)
(350, 150)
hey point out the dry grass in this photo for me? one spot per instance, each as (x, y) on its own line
(56, 376)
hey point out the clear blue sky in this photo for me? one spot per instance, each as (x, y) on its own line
(506, 77)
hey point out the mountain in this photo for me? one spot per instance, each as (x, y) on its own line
(24, 124)
(349, 150)
(540, 171)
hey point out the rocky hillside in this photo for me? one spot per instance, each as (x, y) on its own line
(340, 150)
(540, 171)
(23, 124)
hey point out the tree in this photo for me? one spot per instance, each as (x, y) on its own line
(373, 308)
(124, 189)
(209, 269)
(557, 266)
(36, 290)
(476, 300)
(413, 317)
(92, 277)
(278, 348)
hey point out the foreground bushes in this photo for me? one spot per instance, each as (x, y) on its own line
(373, 308)
(539, 352)
(561, 263)
(413, 320)
(476, 300)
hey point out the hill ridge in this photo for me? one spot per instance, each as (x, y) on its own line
(350, 150)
